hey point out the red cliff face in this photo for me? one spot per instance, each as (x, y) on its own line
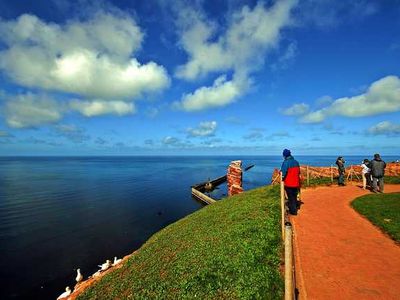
(392, 169)
(234, 178)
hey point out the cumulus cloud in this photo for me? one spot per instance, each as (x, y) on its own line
(323, 101)
(221, 93)
(296, 109)
(240, 49)
(249, 33)
(91, 58)
(100, 107)
(31, 110)
(385, 128)
(382, 96)
(205, 129)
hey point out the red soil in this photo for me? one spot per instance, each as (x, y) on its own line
(339, 254)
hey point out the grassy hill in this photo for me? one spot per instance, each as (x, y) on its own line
(383, 210)
(227, 250)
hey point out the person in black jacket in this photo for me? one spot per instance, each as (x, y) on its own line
(341, 169)
(377, 166)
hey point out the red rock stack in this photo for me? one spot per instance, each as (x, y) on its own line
(234, 178)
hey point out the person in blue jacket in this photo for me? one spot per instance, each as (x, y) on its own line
(291, 177)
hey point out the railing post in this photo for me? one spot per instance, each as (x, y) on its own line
(331, 174)
(308, 177)
(351, 173)
(289, 290)
(282, 207)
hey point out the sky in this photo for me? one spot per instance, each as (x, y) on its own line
(158, 77)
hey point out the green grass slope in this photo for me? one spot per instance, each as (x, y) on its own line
(383, 210)
(227, 250)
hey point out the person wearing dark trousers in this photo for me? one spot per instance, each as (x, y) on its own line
(291, 177)
(341, 169)
(377, 166)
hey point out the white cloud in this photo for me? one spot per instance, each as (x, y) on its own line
(169, 140)
(91, 58)
(221, 93)
(382, 96)
(286, 58)
(323, 101)
(385, 128)
(99, 107)
(250, 32)
(205, 129)
(240, 49)
(30, 110)
(5, 134)
(73, 133)
(296, 109)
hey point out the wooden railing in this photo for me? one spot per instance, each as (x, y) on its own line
(287, 238)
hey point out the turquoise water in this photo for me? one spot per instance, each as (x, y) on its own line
(58, 214)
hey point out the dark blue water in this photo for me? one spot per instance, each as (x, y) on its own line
(58, 214)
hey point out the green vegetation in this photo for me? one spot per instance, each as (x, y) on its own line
(327, 181)
(383, 210)
(318, 181)
(227, 250)
(392, 179)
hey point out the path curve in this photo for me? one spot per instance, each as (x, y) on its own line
(339, 254)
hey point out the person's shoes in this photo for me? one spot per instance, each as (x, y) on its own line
(293, 213)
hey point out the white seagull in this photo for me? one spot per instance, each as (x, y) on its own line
(65, 294)
(79, 276)
(116, 261)
(106, 265)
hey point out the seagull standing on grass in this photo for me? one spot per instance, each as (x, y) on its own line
(116, 261)
(65, 294)
(106, 265)
(79, 276)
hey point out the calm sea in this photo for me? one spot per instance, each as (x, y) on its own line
(58, 214)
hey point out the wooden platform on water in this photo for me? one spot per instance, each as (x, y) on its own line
(199, 189)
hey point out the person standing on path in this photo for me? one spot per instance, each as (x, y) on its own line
(291, 177)
(377, 166)
(341, 169)
(366, 173)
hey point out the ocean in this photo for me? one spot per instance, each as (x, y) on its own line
(58, 214)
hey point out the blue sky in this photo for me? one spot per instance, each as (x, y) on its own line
(199, 77)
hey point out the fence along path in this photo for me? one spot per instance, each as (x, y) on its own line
(338, 253)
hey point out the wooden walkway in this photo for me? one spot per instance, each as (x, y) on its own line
(340, 254)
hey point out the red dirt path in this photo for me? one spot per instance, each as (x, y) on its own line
(340, 254)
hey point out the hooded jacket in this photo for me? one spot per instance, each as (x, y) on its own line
(291, 172)
(377, 166)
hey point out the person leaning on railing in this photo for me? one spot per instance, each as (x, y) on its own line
(366, 173)
(341, 169)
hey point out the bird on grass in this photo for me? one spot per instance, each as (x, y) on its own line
(105, 266)
(116, 261)
(79, 276)
(65, 294)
